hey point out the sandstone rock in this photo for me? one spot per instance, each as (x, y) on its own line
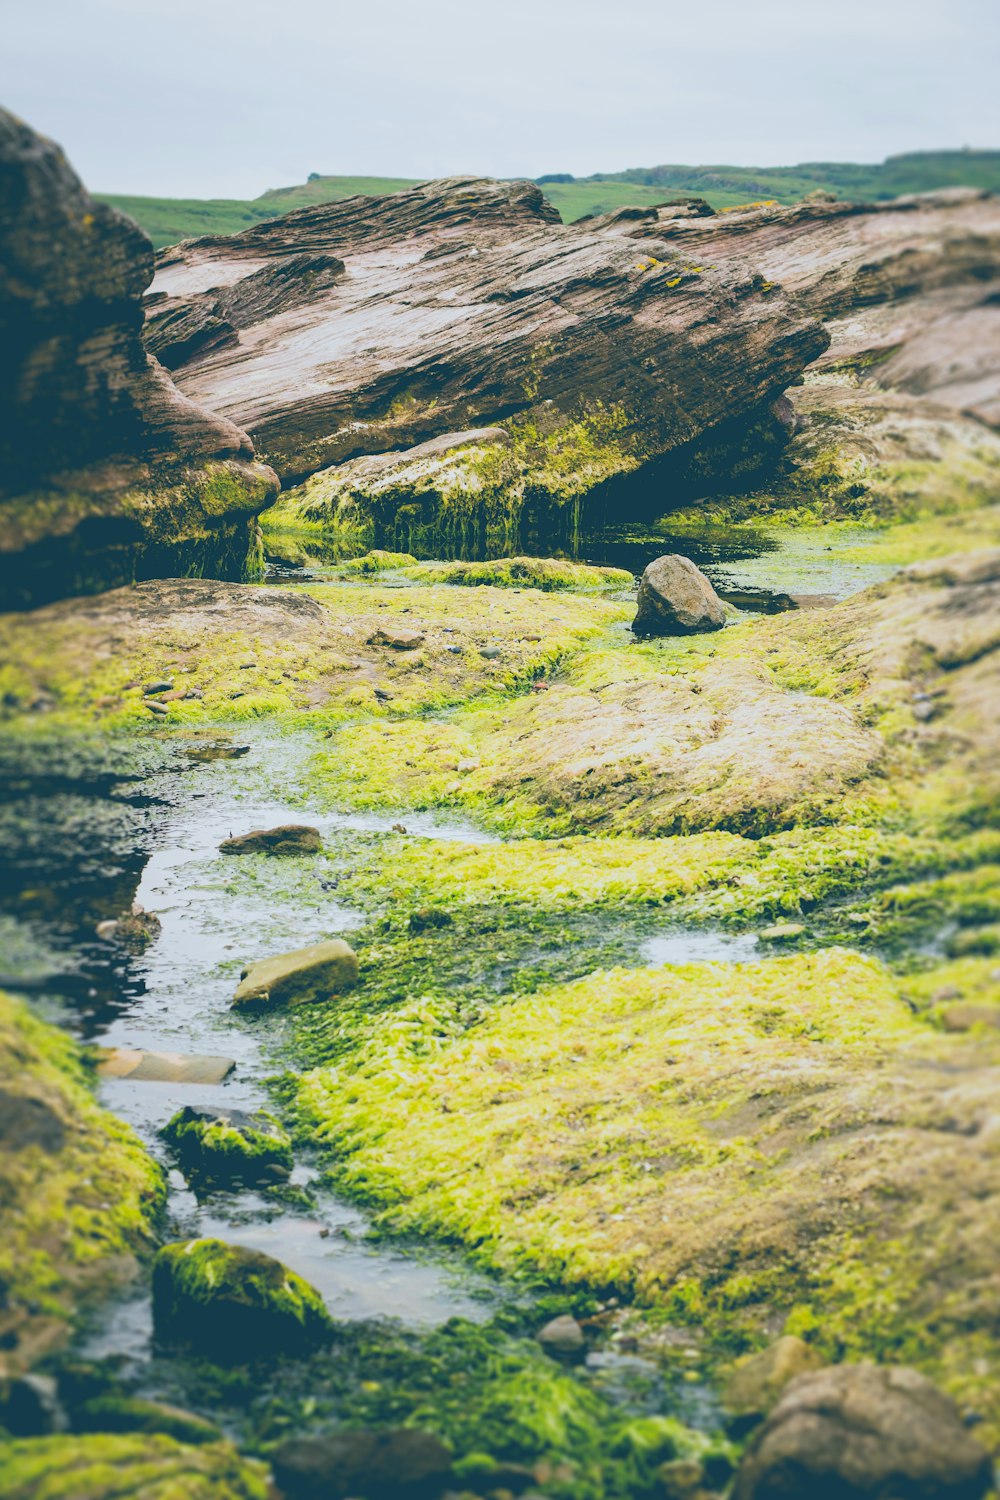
(395, 1463)
(287, 838)
(233, 1303)
(107, 472)
(162, 1067)
(398, 637)
(311, 973)
(756, 1383)
(563, 1335)
(860, 1430)
(466, 301)
(230, 1145)
(675, 598)
(781, 932)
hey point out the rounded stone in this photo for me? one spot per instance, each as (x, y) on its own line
(675, 598)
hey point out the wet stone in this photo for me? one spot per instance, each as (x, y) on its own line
(781, 932)
(287, 838)
(562, 1336)
(163, 1067)
(312, 973)
(392, 1464)
(230, 1145)
(399, 639)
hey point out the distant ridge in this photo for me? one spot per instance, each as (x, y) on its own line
(167, 220)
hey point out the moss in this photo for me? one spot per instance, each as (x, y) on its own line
(549, 574)
(117, 1413)
(101, 1466)
(80, 1194)
(730, 1143)
(228, 1148)
(234, 1303)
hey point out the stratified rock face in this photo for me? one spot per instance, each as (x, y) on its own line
(675, 598)
(859, 1430)
(462, 303)
(106, 471)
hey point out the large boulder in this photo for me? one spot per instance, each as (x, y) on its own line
(854, 1431)
(310, 973)
(464, 303)
(675, 598)
(233, 1303)
(107, 473)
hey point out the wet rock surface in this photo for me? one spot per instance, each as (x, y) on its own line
(859, 1430)
(394, 1464)
(229, 1145)
(288, 838)
(675, 598)
(315, 972)
(108, 471)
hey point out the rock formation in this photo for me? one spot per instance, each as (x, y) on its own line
(463, 303)
(675, 598)
(108, 472)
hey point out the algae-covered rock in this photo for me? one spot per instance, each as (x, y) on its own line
(675, 598)
(756, 1383)
(395, 1463)
(103, 1466)
(229, 1144)
(287, 838)
(312, 973)
(113, 1413)
(80, 1195)
(233, 1303)
(107, 473)
(854, 1431)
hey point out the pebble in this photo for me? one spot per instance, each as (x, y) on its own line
(157, 708)
(781, 932)
(158, 687)
(491, 653)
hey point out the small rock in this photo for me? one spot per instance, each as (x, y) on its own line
(429, 917)
(382, 695)
(455, 650)
(231, 1145)
(852, 1432)
(965, 1017)
(399, 639)
(675, 598)
(149, 688)
(234, 1303)
(563, 1335)
(465, 766)
(399, 827)
(781, 932)
(924, 711)
(312, 973)
(945, 993)
(31, 1407)
(163, 1067)
(395, 1463)
(134, 929)
(680, 1479)
(216, 752)
(756, 1383)
(107, 930)
(287, 838)
(491, 653)
(157, 708)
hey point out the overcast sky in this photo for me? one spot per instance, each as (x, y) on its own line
(226, 98)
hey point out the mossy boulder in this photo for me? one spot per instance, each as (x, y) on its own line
(80, 1195)
(312, 973)
(389, 1464)
(229, 1145)
(106, 1466)
(233, 1303)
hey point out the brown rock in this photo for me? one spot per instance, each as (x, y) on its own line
(675, 598)
(398, 638)
(965, 1017)
(311, 973)
(757, 1382)
(106, 471)
(287, 838)
(863, 1431)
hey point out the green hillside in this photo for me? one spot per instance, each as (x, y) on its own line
(167, 220)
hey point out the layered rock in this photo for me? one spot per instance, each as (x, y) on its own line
(107, 472)
(463, 303)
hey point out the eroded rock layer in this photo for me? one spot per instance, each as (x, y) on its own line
(458, 304)
(106, 471)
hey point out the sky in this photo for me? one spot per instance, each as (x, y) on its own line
(227, 98)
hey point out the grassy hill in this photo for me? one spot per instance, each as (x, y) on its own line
(167, 220)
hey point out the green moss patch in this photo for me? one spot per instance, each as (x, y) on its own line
(80, 1194)
(104, 1466)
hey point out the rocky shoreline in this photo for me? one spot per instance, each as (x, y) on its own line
(649, 961)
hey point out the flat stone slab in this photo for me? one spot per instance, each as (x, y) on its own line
(311, 973)
(163, 1067)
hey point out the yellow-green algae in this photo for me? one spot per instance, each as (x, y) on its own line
(730, 1143)
(105, 1466)
(81, 1198)
(222, 1147)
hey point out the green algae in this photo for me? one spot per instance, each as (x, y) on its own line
(225, 1148)
(80, 1194)
(236, 1303)
(101, 1466)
